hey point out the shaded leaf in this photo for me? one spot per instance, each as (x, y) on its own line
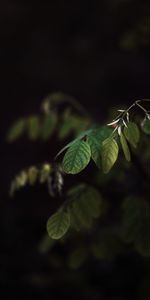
(146, 126)
(125, 147)
(81, 216)
(74, 220)
(132, 134)
(136, 224)
(85, 204)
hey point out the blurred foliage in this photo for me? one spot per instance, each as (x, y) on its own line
(55, 118)
(103, 214)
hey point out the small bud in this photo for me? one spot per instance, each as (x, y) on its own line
(124, 123)
(113, 123)
(148, 116)
(119, 130)
(127, 117)
(121, 110)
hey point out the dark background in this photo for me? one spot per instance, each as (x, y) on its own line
(75, 47)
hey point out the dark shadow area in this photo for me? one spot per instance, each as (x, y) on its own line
(99, 53)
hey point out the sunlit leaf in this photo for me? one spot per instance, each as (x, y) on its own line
(21, 179)
(109, 154)
(45, 172)
(58, 224)
(32, 175)
(79, 137)
(77, 157)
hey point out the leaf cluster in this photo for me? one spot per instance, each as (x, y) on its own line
(102, 146)
(84, 211)
(83, 204)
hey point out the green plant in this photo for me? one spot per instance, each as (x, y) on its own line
(102, 210)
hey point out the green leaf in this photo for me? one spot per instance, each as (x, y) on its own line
(125, 147)
(58, 224)
(109, 154)
(33, 127)
(74, 219)
(85, 204)
(146, 126)
(95, 139)
(16, 130)
(79, 137)
(132, 134)
(48, 125)
(66, 147)
(81, 217)
(77, 157)
(136, 224)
